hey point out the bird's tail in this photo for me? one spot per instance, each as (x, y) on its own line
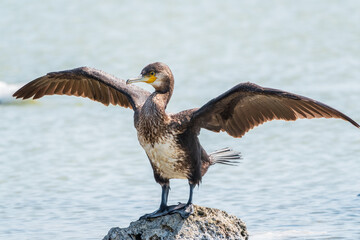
(225, 156)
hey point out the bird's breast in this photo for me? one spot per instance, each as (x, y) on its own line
(167, 157)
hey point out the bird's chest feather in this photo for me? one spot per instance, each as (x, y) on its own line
(166, 157)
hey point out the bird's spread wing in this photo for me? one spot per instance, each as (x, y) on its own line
(247, 105)
(85, 82)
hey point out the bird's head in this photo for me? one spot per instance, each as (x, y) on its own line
(157, 75)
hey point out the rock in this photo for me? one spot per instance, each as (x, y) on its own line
(204, 223)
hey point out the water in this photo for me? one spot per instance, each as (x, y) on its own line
(72, 168)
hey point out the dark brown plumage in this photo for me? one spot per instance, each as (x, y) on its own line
(171, 140)
(248, 105)
(85, 82)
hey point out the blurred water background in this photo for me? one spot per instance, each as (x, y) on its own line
(71, 168)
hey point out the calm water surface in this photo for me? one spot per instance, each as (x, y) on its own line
(72, 169)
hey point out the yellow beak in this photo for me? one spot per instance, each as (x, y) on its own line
(145, 79)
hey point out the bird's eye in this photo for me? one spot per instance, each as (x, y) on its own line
(152, 73)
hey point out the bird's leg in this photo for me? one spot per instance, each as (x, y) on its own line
(185, 210)
(190, 194)
(163, 209)
(164, 196)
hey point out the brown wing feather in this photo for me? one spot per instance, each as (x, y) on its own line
(85, 82)
(248, 105)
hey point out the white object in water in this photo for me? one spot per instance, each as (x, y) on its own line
(6, 92)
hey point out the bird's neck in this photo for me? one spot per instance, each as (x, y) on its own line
(155, 105)
(162, 99)
(163, 92)
(151, 123)
(158, 101)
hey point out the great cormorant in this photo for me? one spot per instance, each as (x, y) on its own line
(171, 140)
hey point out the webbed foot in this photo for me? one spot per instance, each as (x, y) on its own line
(158, 213)
(185, 210)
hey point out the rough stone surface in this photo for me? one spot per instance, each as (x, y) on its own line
(204, 223)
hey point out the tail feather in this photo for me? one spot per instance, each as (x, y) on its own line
(225, 156)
